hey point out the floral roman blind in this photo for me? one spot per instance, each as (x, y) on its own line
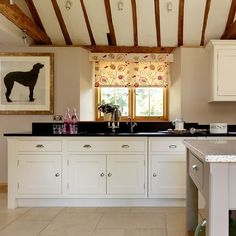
(131, 70)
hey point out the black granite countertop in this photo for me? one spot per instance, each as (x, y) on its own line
(99, 129)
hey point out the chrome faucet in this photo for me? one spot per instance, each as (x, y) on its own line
(132, 125)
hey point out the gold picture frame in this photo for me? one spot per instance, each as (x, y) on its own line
(26, 83)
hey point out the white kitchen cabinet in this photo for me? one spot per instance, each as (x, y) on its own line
(107, 167)
(167, 165)
(86, 174)
(222, 59)
(126, 174)
(168, 176)
(38, 174)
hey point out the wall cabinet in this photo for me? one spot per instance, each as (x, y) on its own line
(222, 59)
(167, 168)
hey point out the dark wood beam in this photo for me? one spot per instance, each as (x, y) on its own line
(135, 26)
(128, 49)
(207, 9)
(14, 14)
(110, 22)
(230, 33)
(158, 25)
(61, 22)
(35, 14)
(181, 23)
(231, 15)
(87, 23)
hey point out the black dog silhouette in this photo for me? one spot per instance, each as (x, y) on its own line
(27, 78)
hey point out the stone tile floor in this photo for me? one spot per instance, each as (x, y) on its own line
(92, 221)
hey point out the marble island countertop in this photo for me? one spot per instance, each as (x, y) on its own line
(213, 150)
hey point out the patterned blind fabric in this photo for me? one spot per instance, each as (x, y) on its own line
(131, 74)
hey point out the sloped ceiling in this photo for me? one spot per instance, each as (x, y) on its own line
(143, 23)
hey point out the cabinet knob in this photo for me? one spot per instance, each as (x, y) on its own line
(172, 146)
(109, 174)
(125, 146)
(102, 174)
(39, 146)
(194, 167)
(154, 175)
(57, 174)
(87, 146)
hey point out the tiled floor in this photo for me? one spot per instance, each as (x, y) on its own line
(133, 221)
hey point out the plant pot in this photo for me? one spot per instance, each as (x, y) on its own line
(107, 116)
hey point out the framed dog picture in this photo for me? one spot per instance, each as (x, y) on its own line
(26, 83)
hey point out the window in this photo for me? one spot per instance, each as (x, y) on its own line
(139, 88)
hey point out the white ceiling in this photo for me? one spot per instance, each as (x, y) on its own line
(122, 21)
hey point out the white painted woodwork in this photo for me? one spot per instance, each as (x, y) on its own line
(232, 186)
(96, 145)
(38, 174)
(216, 181)
(167, 144)
(86, 174)
(196, 169)
(167, 175)
(126, 174)
(222, 61)
(167, 164)
(39, 146)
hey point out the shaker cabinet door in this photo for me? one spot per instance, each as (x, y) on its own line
(86, 174)
(38, 174)
(125, 174)
(226, 69)
(167, 176)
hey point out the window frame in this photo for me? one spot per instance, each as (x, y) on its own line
(132, 107)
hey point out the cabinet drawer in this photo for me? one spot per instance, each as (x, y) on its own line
(196, 169)
(39, 146)
(167, 145)
(106, 146)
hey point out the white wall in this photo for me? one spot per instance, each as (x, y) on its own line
(69, 75)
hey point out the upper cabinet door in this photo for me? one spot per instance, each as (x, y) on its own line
(222, 70)
(226, 73)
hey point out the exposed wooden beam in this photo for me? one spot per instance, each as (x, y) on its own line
(128, 49)
(158, 25)
(231, 14)
(135, 26)
(230, 33)
(207, 9)
(181, 23)
(87, 23)
(35, 14)
(110, 22)
(61, 22)
(14, 14)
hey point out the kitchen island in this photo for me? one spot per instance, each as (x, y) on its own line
(211, 168)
